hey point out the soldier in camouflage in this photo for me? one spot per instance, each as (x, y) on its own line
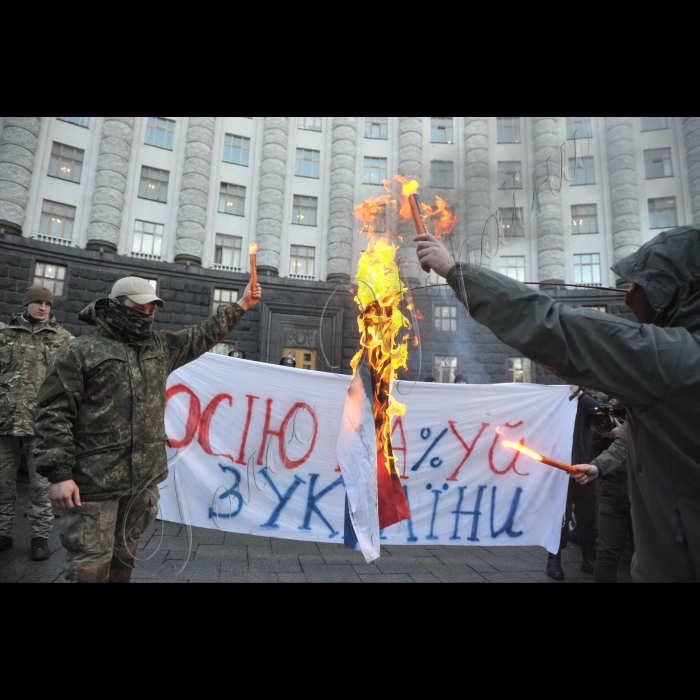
(101, 425)
(27, 345)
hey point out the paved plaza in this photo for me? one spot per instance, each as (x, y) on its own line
(219, 557)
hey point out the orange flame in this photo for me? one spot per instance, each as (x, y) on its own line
(253, 249)
(522, 449)
(379, 296)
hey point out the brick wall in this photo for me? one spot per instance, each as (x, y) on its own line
(188, 293)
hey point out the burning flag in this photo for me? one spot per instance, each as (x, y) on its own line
(376, 499)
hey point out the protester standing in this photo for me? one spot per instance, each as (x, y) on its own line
(27, 345)
(652, 367)
(615, 517)
(101, 424)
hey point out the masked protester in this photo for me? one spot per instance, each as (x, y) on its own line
(101, 425)
(652, 366)
(27, 345)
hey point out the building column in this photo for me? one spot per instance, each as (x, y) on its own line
(18, 144)
(550, 218)
(691, 129)
(624, 187)
(341, 225)
(273, 184)
(411, 167)
(110, 184)
(477, 205)
(194, 192)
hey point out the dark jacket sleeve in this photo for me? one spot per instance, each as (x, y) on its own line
(58, 402)
(637, 364)
(615, 459)
(188, 345)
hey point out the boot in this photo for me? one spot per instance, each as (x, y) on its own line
(122, 566)
(554, 570)
(589, 559)
(6, 544)
(40, 549)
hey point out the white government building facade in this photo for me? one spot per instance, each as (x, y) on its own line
(201, 189)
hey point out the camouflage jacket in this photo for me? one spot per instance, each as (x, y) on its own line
(25, 354)
(101, 419)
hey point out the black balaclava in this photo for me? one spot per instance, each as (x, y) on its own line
(638, 301)
(129, 323)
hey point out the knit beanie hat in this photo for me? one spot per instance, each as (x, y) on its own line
(37, 293)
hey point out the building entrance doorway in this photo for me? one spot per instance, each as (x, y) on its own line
(305, 359)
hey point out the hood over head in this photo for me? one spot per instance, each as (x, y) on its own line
(668, 269)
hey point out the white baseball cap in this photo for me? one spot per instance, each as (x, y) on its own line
(138, 290)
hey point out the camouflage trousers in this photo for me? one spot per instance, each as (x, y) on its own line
(40, 514)
(101, 537)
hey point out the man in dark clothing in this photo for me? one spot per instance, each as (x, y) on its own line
(615, 517)
(101, 425)
(652, 367)
(582, 498)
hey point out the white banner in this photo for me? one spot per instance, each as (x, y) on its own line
(255, 452)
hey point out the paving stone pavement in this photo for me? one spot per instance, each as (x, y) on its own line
(166, 556)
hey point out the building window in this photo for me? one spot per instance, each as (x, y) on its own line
(601, 309)
(310, 123)
(229, 250)
(510, 175)
(581, 172)
(224, 296)
(303, 262)
(232, 200)
(154, 284)
(511, 222)
(513, 266)
(585, 218)
(78, 121)
(305, 211)
(442, 129)
(446, 369)
(237, 150)
(160, 133)
(578, 128)
(52, 277)
(446, 319)
(658, 163)
(66, 162)
(442, 174)
(663, 213)
(57, 220)
(520, 370)
(654, 123)
(375, 171)
(308, 163)
(587, 269)
(148, 239)
(508, 129)
(377, 128)
(224, 349)
(154, 184)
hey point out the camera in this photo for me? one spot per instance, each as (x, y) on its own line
(602, 418)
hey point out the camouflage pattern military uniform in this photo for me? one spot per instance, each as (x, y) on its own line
(101, 423)
(25, 353)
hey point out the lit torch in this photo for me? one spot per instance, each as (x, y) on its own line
(253, 266)
(539, 458)
(410, 191)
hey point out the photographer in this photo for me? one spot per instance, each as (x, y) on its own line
(652, 366)
(615, 518)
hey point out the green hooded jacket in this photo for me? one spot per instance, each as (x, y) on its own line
(101, 418)
(653, 369)
(25, 353)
